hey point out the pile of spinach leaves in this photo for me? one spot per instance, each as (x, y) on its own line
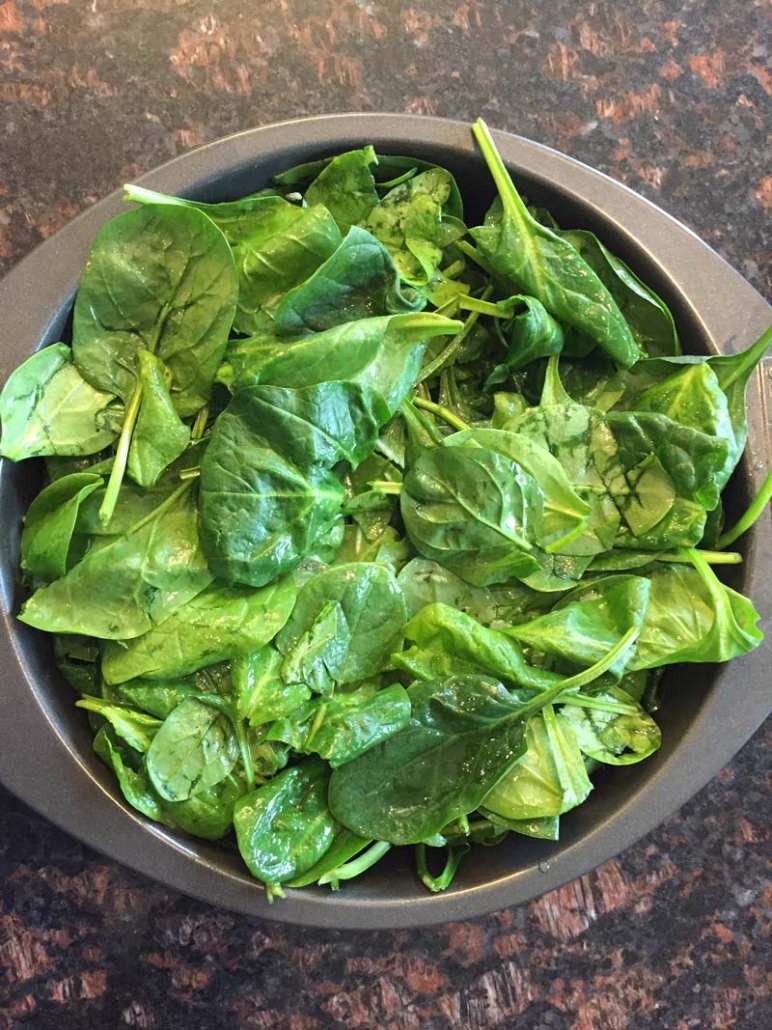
(366, 528)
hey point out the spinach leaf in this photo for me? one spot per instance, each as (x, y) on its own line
(424, 582)
(47, 407)
(194, 749)
(158, 698)
(473, 510)
(589, 621)
(544, 265)
(160, 279)
(251, 217)
(549, 779)
(614, 738)
(159, 436)
(49, 526)
(136, 728)
(221, 622)
(208, 814)
(564, 514)
(527, 332)
(693, 617)
(343, 727)
(132, 778)
(133, 582)
(382, 353)
(269, 266)
(285, 827)
(409, 221)
(357, 281)
(343, 848)
(448, 642)
(261, 694)
(346, 187)
(371, 509)
(260, 512)
(647, 315)
(369, 616)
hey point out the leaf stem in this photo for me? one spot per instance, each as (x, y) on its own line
(439, 883)
(385, 486)
(444, 413)
(357, 865)
(482, 307)
(757, 506)
(711, 557)
(121, 456)
(510, 198)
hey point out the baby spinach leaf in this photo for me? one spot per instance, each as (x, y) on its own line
(49, 526)
(261, 693)
(133, 582)
(343, 848)
(424, 582)
(409, 221)
(342, 727)
(693, 617)
(160, 279)
(208, 814)
(447, 642)
(134, 782)
(586, 623)
(136, 728)
(544, 265)
(614, 738)
(346, 187)
(549, 779)
(194, 749)
(647, 315)
(47, 407)
(473, 510)
(221, 622)
(260, 512)
(158, 698)
(270, 266)
(382, 353)
(318, 657)
(285, 827)
(564, 514)
(159, 436)
(239, 220)
(357, 281)
(528, 332)
(369, 616)
(371, 509)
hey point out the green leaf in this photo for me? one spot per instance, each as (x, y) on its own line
(473, 510)
(49, 526)
(132, 582)
(369, 616)
(344, 726)
(261, 693)
(221, 622)
(424, 582)
(549, 779)
(544, 265)
(134, 782)
(240, 220)
(357, 281)
(47, 407)
(528, 332)
(614, 738)
(136, 728)
(194, 749)
(270, 265)
(345, 186)
(285, 827)
(208, 814)
(159, 436)
(160, 279)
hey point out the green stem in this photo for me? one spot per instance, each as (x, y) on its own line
(444, 413)
(711, 557)
(439, 883)
(357, 865)
(189, 473)
(751, 515)
(121, 456)
(597, 704)
(385, 486)
(450, 351)
(405, 177)
(510, 198)
(420, 423)
(482, 307)
(215, 701)
(454, 269)
(474, 255)
(200, 424)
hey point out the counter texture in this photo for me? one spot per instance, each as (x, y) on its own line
(673, 97)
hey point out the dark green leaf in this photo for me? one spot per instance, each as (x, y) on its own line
(194, 749)
(49, 525)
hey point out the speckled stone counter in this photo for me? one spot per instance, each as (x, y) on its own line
(672, 97)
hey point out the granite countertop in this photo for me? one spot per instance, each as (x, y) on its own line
(672, 97)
